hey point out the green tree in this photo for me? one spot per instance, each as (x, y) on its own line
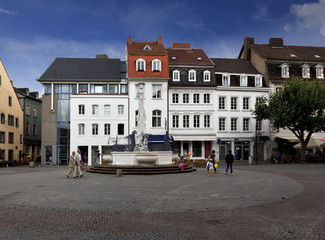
(299, 106)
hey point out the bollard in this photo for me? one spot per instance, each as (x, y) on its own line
(119, 173)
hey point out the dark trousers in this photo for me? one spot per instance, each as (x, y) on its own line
(229, 164)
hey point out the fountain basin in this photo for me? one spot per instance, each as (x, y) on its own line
(142, 158)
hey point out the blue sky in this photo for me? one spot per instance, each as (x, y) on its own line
(34, 32)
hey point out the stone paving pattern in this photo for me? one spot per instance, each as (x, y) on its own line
(257, 202)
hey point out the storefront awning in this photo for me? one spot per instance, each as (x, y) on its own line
(194, 138)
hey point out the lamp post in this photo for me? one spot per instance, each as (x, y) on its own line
(256, 140)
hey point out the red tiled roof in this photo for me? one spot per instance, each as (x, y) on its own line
(137, 48)
(191, 57)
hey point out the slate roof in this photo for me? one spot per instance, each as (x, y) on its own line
(302, 53)
(83, 69)
(137, 48)
(188, 57)
(239, 66)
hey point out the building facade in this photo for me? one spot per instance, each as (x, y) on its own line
(11, 125)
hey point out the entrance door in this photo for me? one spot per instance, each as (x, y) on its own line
(207, 149)
(185, 148)
(84, 152)
(11, 155)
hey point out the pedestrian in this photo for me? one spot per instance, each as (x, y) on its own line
(210, 166)
(72, 165)
(229, 161)
(79, 162)
(181, 165)
(213, 157)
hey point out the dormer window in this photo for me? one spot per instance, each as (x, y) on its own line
(225, 80)
(258, 81)
(305, 71)
(156, 65)
(176, 75)
(284, 70)
(243, 81)
(192, 75)
(206, 76)
(199, 58)
(319, 71)
(174, 58)
(147, 48)
(140, 65)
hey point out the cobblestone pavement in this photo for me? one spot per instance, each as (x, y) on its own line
(257, 202)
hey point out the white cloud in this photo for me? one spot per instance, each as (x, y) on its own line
(262, 13)
(310, 15)
(6, 11)
(286, 27)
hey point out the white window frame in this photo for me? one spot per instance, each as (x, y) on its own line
(206, 98)
(234, 103)
(285, 73)
(225, 80)
(222, 124)
(81, 109)
(156, 118)
(178, 75)
(319, 71)
(245, 124)
(207, 121)
(192, 75)
(187, 98)
(120, 109)
(94, 129)
(137, 62)
(156, 91)
(94, 110)
(196, 98)
(243, 81)
(81, 129)
(107, 129)
(156, 65)
(222, 103)
(175, 98)
(305, 71)
(246, 103)
(186, 121)
(234, 124)
(196, 121)
(175, 121)
(107, 109)
(258, 81)
(206, 76)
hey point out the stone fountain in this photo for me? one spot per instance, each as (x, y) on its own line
(138, 153)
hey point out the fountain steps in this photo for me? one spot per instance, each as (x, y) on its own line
(141, 170)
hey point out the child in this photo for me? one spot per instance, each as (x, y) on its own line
(181, 165)
(210, 166)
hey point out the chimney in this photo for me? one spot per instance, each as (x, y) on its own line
(247, 42)
(159, 40)
(181, 45)
(276, 42)
(129, 40)
(102, 56)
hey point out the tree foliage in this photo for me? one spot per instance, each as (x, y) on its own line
(299, 106)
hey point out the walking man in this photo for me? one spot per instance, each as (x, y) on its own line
(72, 165)
(79, 161)
(229, 161)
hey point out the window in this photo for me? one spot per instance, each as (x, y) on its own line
(124, 88)
(34, 129)
(156, 118)
(11, 138)
(258, 81)
(107, 129)
(186, 121)
(176, 75)
(3, 118)
(120, 109)
(2, 137)
(234, 124)
(140, 65)
(83, 88)
(81, 109)
(10, 101)
(319, 71)
(34, 111)
(243, 81)
(98, 88)
(175, 121)
(233, 104)
(196, 98)
(156, 65)
(11, 120)
(225, 80)
(305, 71)
(17, 122)
(206, 121)
(27, 110)
(246, 103)
(120, 129)
(258, 125)
(222, 124)
(222, 103)
(196, 122)
(284, 71)
(95, 129)
(156, 91)
(175, 97)
(136, 117)
(192, 75)
(258, 99)
(107, 110)
(47, 88)
(27, 128)
(94, 109)
(186, 97)
(21, 138)
(81, 129)
(113, 89)
(206, 76)
(246, 124)
(277, 89)
(206, 98)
